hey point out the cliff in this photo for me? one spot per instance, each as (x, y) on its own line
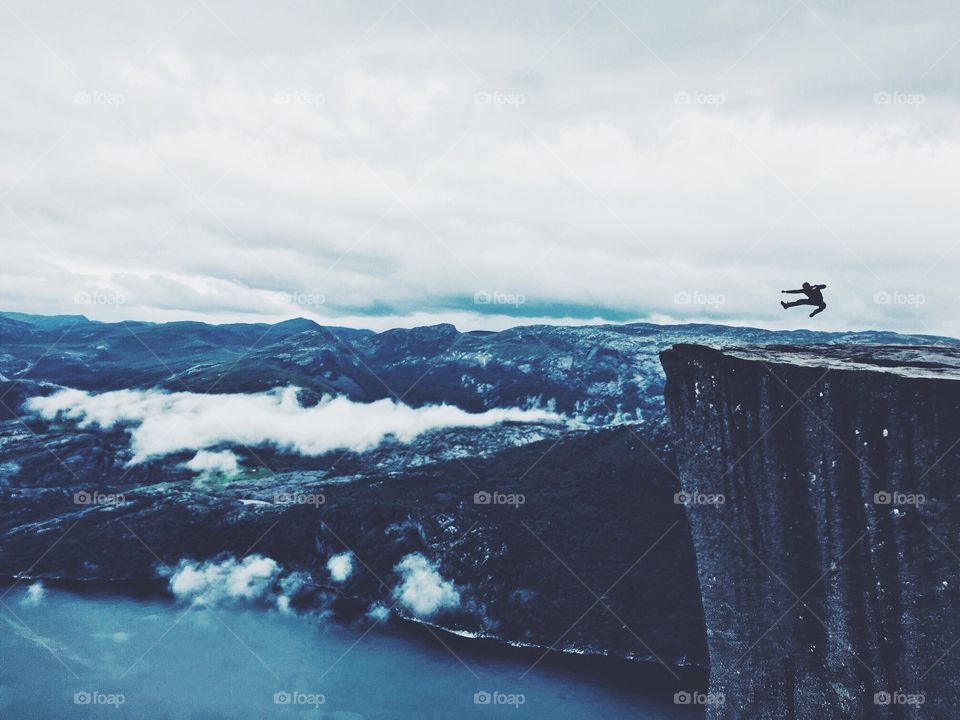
(821, 488)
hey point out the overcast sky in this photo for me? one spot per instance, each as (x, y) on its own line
(404, 162)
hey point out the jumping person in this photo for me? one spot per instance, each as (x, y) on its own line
(814, 297)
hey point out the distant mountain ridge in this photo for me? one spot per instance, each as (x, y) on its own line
(602, 373)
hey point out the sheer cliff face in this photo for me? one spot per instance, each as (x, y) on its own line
(822, 487)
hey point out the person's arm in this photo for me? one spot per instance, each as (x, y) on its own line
(820, 287)
(792, 292)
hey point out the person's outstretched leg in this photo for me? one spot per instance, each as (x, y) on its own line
(820, 309)
(795, 303)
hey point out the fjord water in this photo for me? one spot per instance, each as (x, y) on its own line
(66, 655)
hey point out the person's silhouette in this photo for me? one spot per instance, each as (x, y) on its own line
(814, 297)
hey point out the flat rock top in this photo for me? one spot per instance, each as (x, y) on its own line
(916, 361)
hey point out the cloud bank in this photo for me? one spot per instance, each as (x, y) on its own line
(162, 423)
(350, 161)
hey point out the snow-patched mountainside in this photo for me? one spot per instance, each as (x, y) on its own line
(600, 374)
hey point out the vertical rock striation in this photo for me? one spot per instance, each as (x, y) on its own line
(822, 489)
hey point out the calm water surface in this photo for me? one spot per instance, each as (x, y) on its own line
(69, 655)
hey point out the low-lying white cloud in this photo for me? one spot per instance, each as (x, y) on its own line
(162, 423)
(378, 612)
(211, 583)
(206, 463)
(423, 590)
(34, 594)
(340, 567)
(252, 579)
